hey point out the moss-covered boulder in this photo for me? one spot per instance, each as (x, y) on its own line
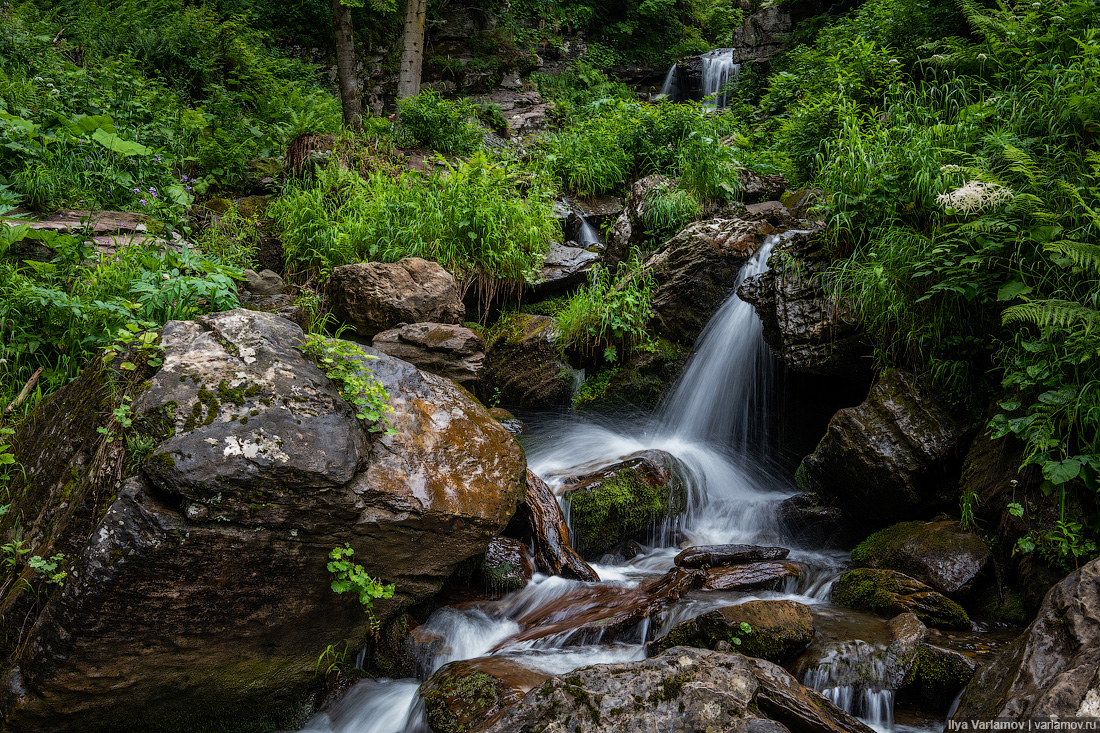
(624, 500)
(935, 678)
(888, 593)
(778, 629)
(523, 364)
(895, 456)
(469, 695)
(196, 538)
(942, 554)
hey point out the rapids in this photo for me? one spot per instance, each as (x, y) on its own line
(715, 422)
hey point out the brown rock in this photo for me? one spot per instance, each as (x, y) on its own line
(752, 576)
(541, 521)
(470, 695)
(451, 351)
(719, 555)
(779, 629)
(376, 296)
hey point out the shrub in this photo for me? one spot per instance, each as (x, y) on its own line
(668, 210)
(441, 124)
(609, 317)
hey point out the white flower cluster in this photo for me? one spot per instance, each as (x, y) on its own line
(975, 196)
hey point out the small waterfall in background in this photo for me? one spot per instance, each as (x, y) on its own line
(670, 90)
(718, 67)
(587, 236)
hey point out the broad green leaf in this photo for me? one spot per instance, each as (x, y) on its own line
(125, 148)
(1011, 290)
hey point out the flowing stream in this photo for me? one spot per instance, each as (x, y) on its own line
(714, 421)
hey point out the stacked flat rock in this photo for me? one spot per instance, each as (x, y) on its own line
(721, 555)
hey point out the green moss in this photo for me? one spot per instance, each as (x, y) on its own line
(230, 394)
(165, 460)
(572, 686)
(620, 506)
(457, 703)
(878, 591)
(670, 688)
(802, 477)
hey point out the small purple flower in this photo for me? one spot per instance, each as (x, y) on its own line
(137, 190)
(142, 202)
(153, 190)
(154, 195)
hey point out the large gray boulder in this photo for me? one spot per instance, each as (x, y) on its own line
(196, 542)
(376, 296)
(895, 456)
(564, 267)
(1053, 669)
(451, 351)
(682, 689)
(804, 326)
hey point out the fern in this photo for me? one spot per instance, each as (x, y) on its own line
(1084, 255)
(1053, 313)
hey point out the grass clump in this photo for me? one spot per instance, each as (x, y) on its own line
(610, 316)
(444, 125)
(482, 219)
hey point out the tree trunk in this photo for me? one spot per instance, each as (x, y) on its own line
(412, 48)
(345, 65)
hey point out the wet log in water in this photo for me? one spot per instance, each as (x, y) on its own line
(553, 553)
(604, 612)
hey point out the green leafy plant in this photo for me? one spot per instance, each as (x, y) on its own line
(609, 317)
(441, 124)
(350, 577)
(344, 363)
(48, 567)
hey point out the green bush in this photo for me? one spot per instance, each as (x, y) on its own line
(609, 317)
(474, 220)
(668, 210)
(441, 124)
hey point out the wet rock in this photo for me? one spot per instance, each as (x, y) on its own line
(375, 296)
(451, 351)
(753, 576)
(894, 456)
(599, 210)
(907, 634)
(681, 689)
(935, 678)
(805, 328)
(696, 270)
(779, 629)
(605, 613)
(471, 694)
(1053, 669)
(991, 481)
(942, 554)
(511, 423)
(204, 616)
(624, 500)
(507, 566)
(265, 282)
(565, 266)
(523, 366)
(802, 516)
(628, 231)
(755, 187)
(719, 555)
(887, 593)
(539, 520)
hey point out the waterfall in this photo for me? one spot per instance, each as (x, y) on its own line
(587, 235)
(670, 90)
(718, 67)
(722, 396)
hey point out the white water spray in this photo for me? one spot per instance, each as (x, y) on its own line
(718, 67)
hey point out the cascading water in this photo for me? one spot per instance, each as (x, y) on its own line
(714, 424)
(587, 236)
(670, 90)
(718, 67)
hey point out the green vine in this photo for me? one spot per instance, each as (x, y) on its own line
(341, 361)
(348, 576)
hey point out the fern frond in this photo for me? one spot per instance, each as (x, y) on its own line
(1024, 164)
(1053, 313)
(1084, 255)
(1075, 194)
